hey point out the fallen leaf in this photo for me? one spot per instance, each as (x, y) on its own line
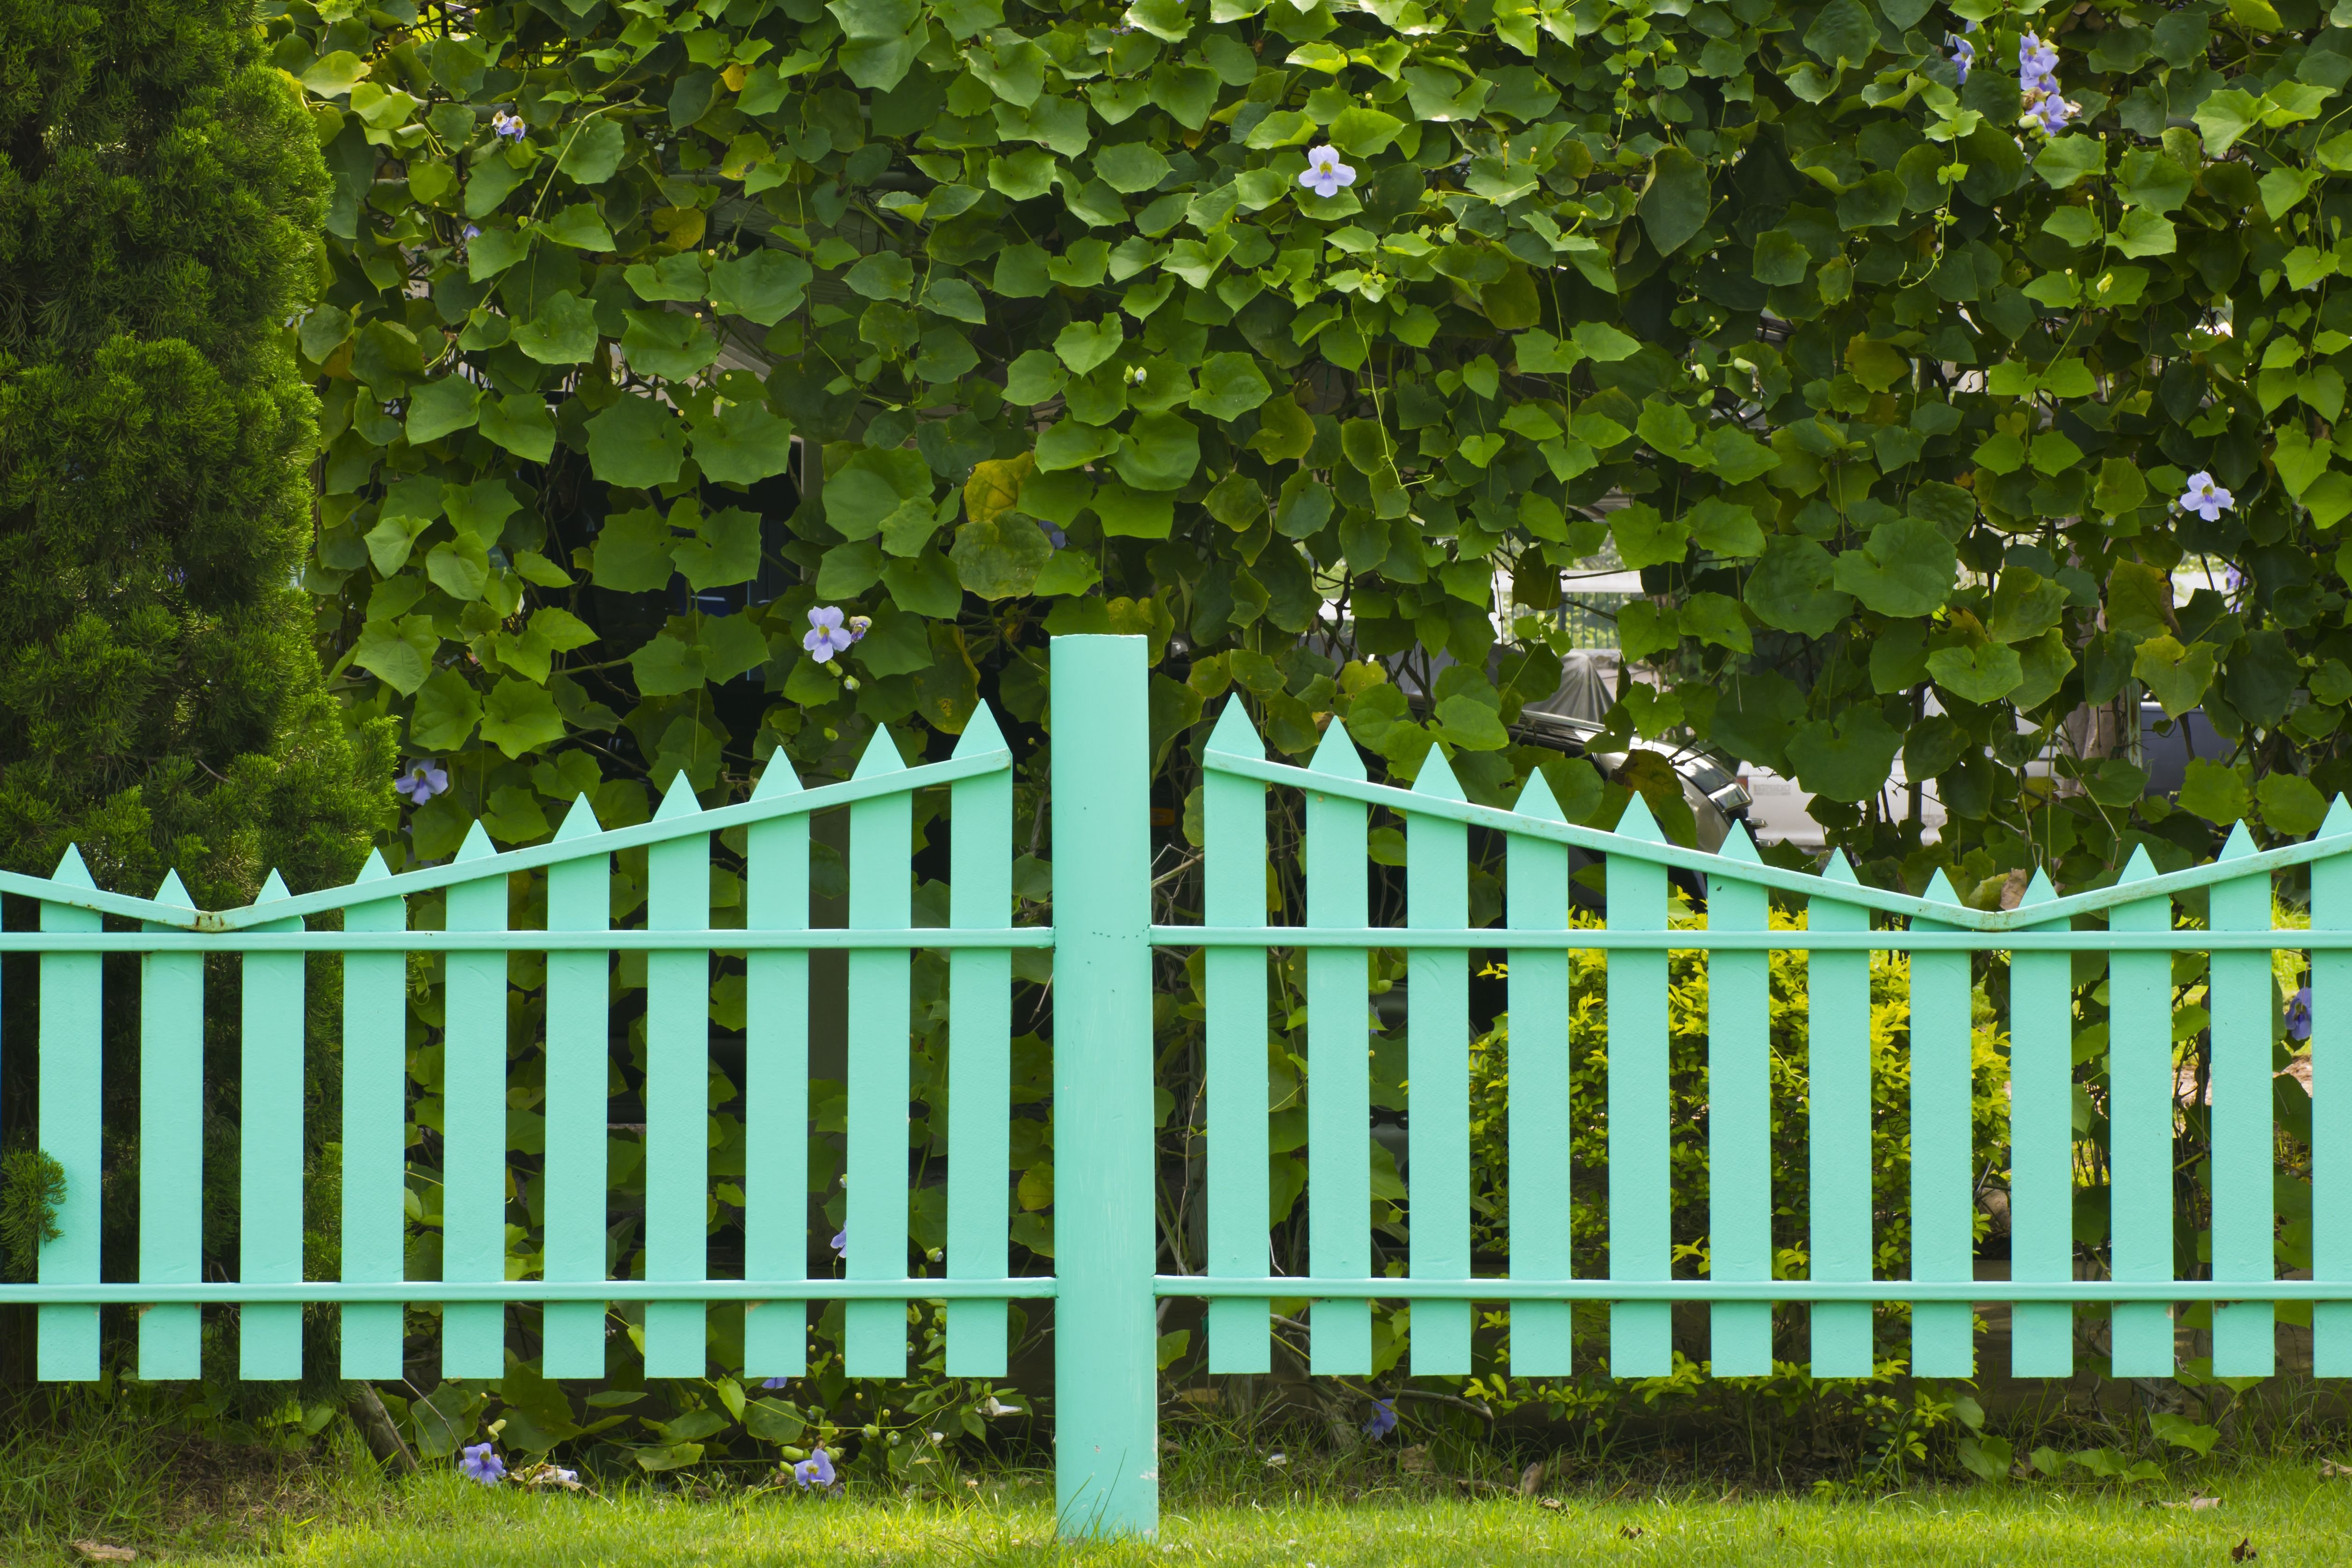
(2330, 1470)
(2197, 1502)
(1531, 1480)
(1629, 1532)
(1415, 1459)
(2244, 1551)
(97, 1552)
(1552, 1503)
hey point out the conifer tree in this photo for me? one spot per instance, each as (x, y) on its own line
(160, 702)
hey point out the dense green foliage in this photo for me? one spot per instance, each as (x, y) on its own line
(1899, 385)
(158, 194)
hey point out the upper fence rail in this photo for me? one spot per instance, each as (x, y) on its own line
(780, 795)
(2239, 857)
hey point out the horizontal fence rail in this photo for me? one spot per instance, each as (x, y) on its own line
(1106, 1288)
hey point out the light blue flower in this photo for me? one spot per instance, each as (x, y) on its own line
(480, 1464)
(1325, 175)
(815, 1471)
(510, 126)
(826, 635)
(2205, 498)
(1384, 1419)
(424, 779)
(2298, 1014)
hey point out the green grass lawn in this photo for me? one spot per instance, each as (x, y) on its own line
(2287, 1513)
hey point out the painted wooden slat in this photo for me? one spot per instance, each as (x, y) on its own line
(376, 1131)
(2245, 1005)
(2331, 1102)
(1437, 1066)
(1233, 893)
(1640, 1333)
(776, 1079)
(1837, 1080)
(2042, 1147)
(1107, 1440)
(1543, 1238)
(1943, 1154)
(980, 1053)
(579, 1067)
(1338, 1067)
(269, 1152)
(171, 1147)
(881, 840)
(2140, 1100)
(473, 1122)
(1740, 1115)
(677, 1091)
(72, 1098)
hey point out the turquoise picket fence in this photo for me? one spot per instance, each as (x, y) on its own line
(1105, 1288)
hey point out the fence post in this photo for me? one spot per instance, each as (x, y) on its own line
(1106, 1369)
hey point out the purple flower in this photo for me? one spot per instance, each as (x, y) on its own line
(2298, 1014)
(841, 1242)
(471, 231)
(480, 1464)
(1054, 536)
(510, 126)
(423, 781)
(815, 1471)
(1383, 1421)
(2035, 62)
(1964, 56)
(1325, 175)
(826, 636)
(2205, 498)
(2037, 66)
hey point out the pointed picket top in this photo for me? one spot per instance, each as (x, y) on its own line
(1335, 754)
(478, 845)
(1234, 735)
(1840, 870)
(1436, 778)
(1939, 888)
(979, 734)
(273, 889)
(580, 822)
(881, 757)
(70, 871)
(175, 892)
(2338, 819)
(2240, 844)
(1535, 800)
(777, 779)
(2038, 890)
(1740, 848)
(679, 800)
(2140, 868)
(1637, 821)
(374, 869)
